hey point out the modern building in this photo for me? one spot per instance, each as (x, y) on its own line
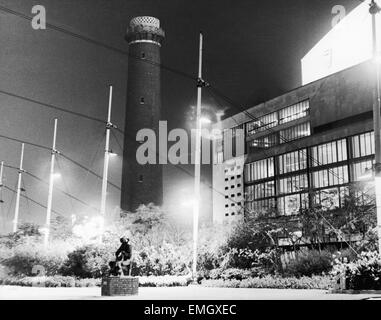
(309, 145)
(142, 184)
(306, 146)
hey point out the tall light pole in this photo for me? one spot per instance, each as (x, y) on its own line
(197, 176)
(374, 9)
(17, 206)
(109, 125)
(1, 177)
(51, 185)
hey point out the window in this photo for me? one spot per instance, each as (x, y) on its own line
(264, 190)
(258, 170)
(363, 145)
(261, 205)
(290, 205)
(360, 169)
(233, 142)
(220, 157)
(293, 161)
(261, 190)
(296, 132)
(264, 142)
(261, 124)
(294, 112)
(293, 184)
(330, 177)
(332, 152)
(331, 198)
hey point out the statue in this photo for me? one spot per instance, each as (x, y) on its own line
(122, 265)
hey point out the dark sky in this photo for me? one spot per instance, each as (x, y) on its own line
(252, 53)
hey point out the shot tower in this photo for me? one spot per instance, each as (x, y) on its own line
(142, 184)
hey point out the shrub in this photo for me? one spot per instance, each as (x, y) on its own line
(165, 259)
(362, 274)
(22, 259)
(308, 263)
(233, 274)
(266, 261)
(271, 282)
(89, 261)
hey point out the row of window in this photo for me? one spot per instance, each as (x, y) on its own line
(283, 136)
(288, 194)
(292, 204)
(325, 154)
(288, 114)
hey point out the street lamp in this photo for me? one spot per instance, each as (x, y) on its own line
(373, 10)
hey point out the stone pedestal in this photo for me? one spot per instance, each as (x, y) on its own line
(120, 286)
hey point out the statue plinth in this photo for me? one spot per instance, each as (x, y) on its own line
(120, 286)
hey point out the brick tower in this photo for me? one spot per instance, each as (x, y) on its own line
(142, 184)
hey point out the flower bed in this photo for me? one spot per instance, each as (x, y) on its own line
(362, 274)
(61, 281)
(274, 282)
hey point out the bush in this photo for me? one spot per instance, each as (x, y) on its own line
(266, 261)
(90, 261)
(271, 282)
(362, 274)
(23, 258)
(165, 259)
(233, 274)
(309, 263)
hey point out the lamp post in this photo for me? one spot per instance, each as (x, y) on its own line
(107, 154)
(197, 176)
(374, 10)
(18, 194)
(51, 185)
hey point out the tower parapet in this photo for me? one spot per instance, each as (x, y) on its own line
(145, 29)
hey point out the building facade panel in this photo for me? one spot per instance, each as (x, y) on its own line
(307, 146)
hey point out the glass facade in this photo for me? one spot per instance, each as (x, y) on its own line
(296, 132)
(319, 174)
(262, 124)
(271, 120)
(264, 142)
(363, 145)
(293, 161)
(259, 170)
(294, 112)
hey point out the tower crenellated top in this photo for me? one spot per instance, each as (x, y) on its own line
(145, 29)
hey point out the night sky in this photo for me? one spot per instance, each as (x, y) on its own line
(252, 53)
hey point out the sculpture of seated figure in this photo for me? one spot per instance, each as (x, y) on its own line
(122, 265)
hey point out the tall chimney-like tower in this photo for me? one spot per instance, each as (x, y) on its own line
(142, 184)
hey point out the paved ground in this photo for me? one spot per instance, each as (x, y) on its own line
(179, 293)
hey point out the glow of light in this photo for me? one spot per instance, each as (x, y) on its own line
(90, 229)
(112, 154)
(57, 175)
(205, 120)
(187, 203)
